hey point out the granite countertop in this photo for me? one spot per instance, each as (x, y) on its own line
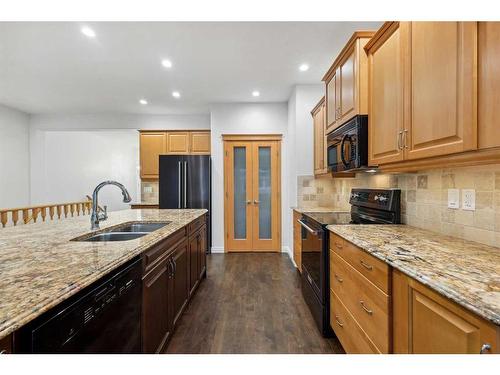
(40, 267)
(144, 204)
(315, 209)
(464, 271)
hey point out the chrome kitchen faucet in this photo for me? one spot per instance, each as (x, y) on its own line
(95, 217)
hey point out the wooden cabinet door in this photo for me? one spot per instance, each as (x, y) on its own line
(488, 84)
(152, 145)
(442, 91)
(347, 105)
(180, 280)
(194, 250)
(427, 323)
(200, 143)
(156, 308)
(385, 101)
(202, 255)
(331, 104)
(6, 345)
(178, 143)
(318, 115)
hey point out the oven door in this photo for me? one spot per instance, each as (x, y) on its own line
(313, 257)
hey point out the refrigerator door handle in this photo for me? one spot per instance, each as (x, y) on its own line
(179, 190)
(185, 184)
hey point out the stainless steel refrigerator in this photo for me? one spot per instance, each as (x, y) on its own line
(185, 182)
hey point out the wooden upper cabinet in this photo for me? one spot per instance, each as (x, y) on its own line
(152, 145)
(178, 142)
(385, 99)
(425, 322)
(442, 112)
(347, 82)
(318, 115)
(200, 143)
(155, 143)
(488, 84)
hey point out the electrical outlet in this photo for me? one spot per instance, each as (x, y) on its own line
(148, 189)
(469, 199)
(453, 198)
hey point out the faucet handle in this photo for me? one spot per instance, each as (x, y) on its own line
(104, 214)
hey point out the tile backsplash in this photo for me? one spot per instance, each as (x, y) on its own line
(424, 198)
(149, 191)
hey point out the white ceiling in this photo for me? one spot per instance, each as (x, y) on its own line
(50, 67)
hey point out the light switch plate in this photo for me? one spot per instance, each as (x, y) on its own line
(469, 199)
(454, 198)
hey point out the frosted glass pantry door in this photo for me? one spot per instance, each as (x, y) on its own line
(238, 200)
(266, 196)
(252, 195)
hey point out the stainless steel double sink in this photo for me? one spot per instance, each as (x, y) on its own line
(126, 232)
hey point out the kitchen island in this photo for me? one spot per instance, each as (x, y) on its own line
(40, 265)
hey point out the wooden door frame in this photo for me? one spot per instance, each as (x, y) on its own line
(251, 138)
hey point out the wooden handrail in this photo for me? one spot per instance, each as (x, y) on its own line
(50, 211)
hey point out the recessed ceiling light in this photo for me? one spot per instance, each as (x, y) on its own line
(304, 67)
(87, 31)
(143, 101)
(166, 63)
(255, 93)
(176, 94)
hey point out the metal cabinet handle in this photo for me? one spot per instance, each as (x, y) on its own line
(485, 348)
(367, 266)
(339, 279)
(368, 311)
(3, 351)
(255, 201)
(338, 321)
(338, 246)
(249, 201)
(400, 140)
(405, 136)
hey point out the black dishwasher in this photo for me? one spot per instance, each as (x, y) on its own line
(104, 318)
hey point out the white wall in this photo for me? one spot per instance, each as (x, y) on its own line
(301, 140)
(14, 158)
(243, 118)
(71, 154)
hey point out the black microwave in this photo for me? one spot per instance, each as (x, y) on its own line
(348, 146)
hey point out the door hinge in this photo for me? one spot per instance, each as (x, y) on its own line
(226, 153)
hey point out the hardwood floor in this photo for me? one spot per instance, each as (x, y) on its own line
(249, 303)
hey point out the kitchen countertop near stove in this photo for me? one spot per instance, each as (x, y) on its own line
(315, 209)
(40, 267)
(464, 271)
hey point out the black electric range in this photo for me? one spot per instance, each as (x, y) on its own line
(368, 206)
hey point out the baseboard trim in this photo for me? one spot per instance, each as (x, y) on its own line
(218, 249)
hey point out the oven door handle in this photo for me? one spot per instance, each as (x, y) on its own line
(342, 145)
(373, 220)
(314, 232)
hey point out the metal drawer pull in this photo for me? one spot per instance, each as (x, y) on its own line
(368, 311)
(338, 246)
(367, 266)
(338, 321)
(485, 348)
(340, 280)
(5, 351)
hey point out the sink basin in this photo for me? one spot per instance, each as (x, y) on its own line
(141, 227)
(114, 236)
(125, 232)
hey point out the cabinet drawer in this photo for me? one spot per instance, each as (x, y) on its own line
(196, 224)
(153, 255)
(367, 304)
(353, 339)
(370, 267)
